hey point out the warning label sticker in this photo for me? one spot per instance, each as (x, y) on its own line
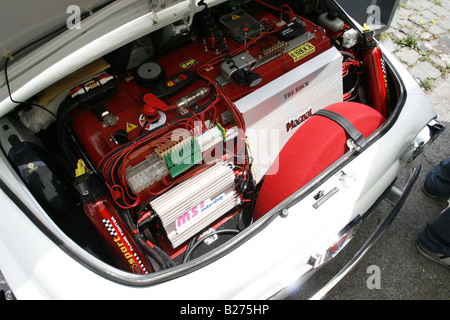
(302, 51)
(130, 126)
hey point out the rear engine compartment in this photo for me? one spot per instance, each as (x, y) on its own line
(156, 155)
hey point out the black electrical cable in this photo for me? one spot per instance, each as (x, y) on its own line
(191, 243)
(156, 261)
(154, 252)
(66, 106)
(203, 107)
(166, 258)
(21, 102)
(16, 52)
(63, 119)
(200, 241)
(130, 143)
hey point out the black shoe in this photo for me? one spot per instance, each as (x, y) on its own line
(430, 194)
(436, 257)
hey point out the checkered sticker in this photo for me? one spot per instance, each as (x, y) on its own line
(110, 227)
(136, 264)
(140, 263)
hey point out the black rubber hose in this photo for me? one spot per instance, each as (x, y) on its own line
(200, 241)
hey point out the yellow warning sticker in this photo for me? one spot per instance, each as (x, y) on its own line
(302, 51)
(234, 17)
(130, 126)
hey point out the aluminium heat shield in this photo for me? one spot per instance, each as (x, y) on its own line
(197, 202)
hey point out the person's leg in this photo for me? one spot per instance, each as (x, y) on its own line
(434, 241)
(437, 181)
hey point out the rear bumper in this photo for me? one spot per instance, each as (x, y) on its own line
(315, 290)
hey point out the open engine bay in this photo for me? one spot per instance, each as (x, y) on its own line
(156, 155)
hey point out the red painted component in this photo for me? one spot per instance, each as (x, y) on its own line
(152, 105)
(134, 107)
(121, 244)
(377, 79)
(95, 137)
(126, 106)
(316, 145)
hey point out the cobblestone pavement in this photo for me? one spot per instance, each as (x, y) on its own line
(419, 37)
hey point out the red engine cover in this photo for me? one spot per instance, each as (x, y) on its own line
(316, 145)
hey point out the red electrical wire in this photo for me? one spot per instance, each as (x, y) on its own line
(110, 165)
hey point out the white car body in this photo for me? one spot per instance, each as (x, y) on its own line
(39, 261)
